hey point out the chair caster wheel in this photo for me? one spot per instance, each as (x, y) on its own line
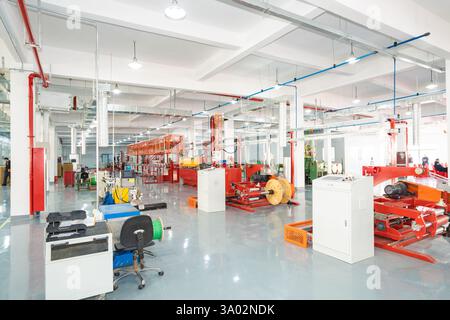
(141, 286)
(115, 287)
(161, 273)
(116, 274)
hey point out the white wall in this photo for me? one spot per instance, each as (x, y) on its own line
(364, 150)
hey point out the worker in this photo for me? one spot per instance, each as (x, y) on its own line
(425, 162)
(439, 167)
(7, 173)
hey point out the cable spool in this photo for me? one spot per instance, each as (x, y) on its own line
(158, 229)
(275, 192)
(287, 190)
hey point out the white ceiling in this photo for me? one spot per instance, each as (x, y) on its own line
(243, 56)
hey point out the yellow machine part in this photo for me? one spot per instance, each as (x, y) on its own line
(287, 190)
(276, 192)
(121, 195)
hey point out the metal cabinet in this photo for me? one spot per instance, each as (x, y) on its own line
(343, 217)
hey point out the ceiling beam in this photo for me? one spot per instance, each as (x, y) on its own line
(298, 57)
(268, 31)
(112, 13)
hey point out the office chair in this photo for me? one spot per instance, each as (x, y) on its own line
(136, 234)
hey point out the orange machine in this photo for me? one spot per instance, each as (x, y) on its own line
(408, 212)
(156, 158)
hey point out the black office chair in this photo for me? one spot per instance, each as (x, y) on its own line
(136, 234)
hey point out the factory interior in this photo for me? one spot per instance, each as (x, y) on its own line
(224, 150)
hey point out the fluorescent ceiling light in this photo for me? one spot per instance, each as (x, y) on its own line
(184, 119)
(174, 11)
(135, 65)
(428, 101)
(356, 101)
(352, 59)
(116, 90)
(233, 102)
(432, 86)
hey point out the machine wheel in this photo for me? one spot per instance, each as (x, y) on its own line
(141, 286)
(115, 287)
(275, 190)
(116, 274)
(161, 273)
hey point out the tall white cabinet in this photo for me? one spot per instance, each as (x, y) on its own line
(343, 217)
(211, 190)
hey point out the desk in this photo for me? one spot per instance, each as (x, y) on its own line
(80, 267)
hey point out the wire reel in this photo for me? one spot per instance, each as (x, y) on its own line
(287, 190)
(274, 191)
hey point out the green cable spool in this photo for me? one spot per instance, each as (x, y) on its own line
(158, 229)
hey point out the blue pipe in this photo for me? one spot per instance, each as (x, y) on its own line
(372, 53)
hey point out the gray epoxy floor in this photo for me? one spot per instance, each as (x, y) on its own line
(232, 255)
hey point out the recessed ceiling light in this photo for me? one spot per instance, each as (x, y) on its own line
(184, 119)
(174, 11)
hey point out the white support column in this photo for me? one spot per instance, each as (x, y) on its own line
(328, 151)
(73, 141)
(417, 117)
(282, 133)
(52, 154)
(297, 122)
(20, 153)
(229, 141)
(447, 85)
(103, 126)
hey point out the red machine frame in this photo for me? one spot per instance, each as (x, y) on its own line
(421, 214)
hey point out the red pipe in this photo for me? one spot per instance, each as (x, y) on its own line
(31, 78)
(26, 21)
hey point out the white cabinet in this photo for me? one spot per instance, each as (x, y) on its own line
(343, 217)
(81, 267)
(211, 190)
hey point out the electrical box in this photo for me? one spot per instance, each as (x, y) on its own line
(211, 190)
(343, 217)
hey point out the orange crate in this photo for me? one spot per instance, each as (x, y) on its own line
(299, 233)
(192, 202)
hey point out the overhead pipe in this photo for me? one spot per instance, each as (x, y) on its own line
(333, 67)
(32, 42)
(411, 96)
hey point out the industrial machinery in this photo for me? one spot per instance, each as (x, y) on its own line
(156, 158)
(263, 190)
(408, 212)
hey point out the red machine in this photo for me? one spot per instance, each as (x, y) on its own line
(408, 212)
(261, 192)
(155, 158)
